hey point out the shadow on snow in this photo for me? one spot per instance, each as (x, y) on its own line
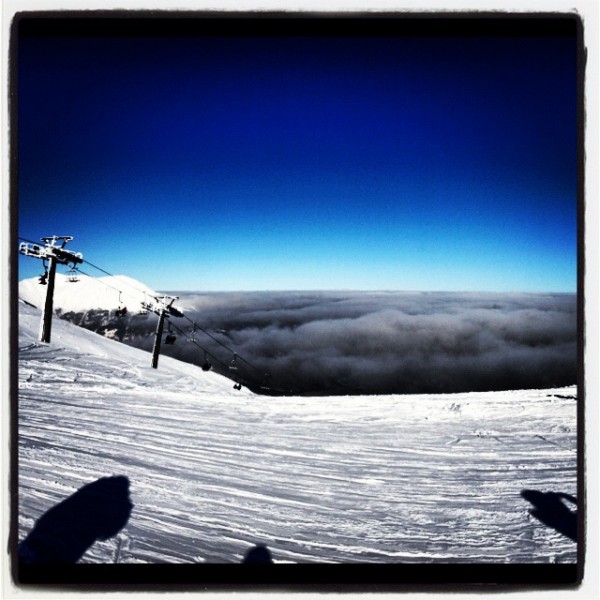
(97, 511)
(550, 509)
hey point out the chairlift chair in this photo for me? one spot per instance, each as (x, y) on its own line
(121, 311)
(206, 365)
(72, 275)
(171, 337)
(145, 308)
(43, 279)
(265, 382)
(233, 363)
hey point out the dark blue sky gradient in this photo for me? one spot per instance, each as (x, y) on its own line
(224, 163)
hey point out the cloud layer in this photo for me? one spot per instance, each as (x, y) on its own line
(386, 342)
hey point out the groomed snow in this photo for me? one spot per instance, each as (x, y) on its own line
(214, 471)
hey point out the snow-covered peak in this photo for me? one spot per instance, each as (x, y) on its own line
(88, 293)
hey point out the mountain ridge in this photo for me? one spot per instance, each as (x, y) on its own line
(89, 293)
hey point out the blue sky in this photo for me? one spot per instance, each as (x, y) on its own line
(407, 162)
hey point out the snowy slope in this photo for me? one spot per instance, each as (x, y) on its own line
(91, 293)
(214, 471)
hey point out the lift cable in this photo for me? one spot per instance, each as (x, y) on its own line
(28, 241)
(198, 327)
(98, 280)
(206, 352)
(82, 272)
(171, 324)
(133, 287)
(212, 337)
(146, 293)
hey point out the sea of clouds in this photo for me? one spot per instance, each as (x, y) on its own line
(385, 342)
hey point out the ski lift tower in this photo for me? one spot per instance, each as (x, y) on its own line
(163, 308)
(54, 254)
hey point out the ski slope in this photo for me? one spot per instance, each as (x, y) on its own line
(214, 471)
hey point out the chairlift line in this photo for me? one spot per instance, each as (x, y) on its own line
(26, 240)
(212, 337)
(133, 287)
(162, 301)
(206, 352)
(54, 250)
(233, 365)
(145, 307)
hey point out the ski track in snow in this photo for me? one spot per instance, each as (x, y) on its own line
(214, 471)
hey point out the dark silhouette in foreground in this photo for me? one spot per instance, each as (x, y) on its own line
(549, 508)
(97, 511)
(258, 554)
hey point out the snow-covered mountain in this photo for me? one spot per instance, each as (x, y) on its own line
(212, 471)
(88, 293)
